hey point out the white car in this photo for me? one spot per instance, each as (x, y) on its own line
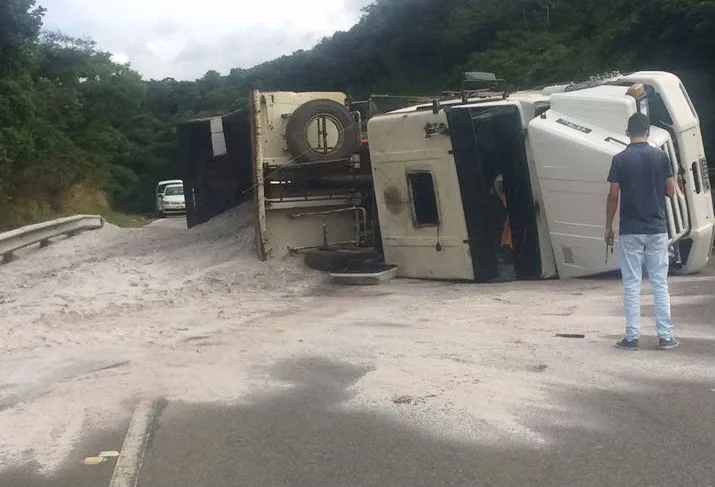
(170, 197)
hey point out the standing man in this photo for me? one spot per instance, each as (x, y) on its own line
(642, 177)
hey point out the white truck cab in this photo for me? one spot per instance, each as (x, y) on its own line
(509, 187)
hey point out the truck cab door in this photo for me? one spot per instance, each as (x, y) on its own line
(418, 196)
(572, 161)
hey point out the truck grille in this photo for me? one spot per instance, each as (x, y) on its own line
(676, 206)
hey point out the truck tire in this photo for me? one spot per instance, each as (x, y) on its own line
(335, 113)
(328, 260)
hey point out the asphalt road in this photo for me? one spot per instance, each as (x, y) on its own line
(73, 473)
(303, 438)
(659, 433)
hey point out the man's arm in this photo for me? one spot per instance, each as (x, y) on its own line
(611, 207)
(612, 199)
(670, 187)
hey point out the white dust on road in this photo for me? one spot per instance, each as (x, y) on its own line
(102, 318)
(93, 323)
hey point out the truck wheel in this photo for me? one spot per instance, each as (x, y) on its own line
(304, 118)
(328, 260)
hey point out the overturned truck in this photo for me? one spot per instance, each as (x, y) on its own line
(483, 186)
(552, 150)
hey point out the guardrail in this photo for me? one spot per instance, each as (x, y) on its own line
(42, 233)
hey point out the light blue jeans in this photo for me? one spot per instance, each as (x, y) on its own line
(651, 250)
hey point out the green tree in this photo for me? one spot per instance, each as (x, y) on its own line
(70, 117)
(20, 22)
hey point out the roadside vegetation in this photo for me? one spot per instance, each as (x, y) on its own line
(79, 131)
(123, 220)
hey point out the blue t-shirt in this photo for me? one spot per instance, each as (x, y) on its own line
(641, 171)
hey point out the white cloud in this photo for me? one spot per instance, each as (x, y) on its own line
(185, 38)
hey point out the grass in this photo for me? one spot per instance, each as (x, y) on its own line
(121, 219)
(77, 200)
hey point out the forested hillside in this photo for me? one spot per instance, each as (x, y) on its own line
(78, 130)
(75, 129)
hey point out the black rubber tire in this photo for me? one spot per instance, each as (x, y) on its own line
(328, 260)
(296, 140)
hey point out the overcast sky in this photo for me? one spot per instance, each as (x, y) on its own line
(185, 38)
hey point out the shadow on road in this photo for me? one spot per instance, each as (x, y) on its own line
(655, 434)
(302, 437)
(72, 473)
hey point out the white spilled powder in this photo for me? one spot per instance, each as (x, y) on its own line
(94, 323)
(91, 323)
(104, 272)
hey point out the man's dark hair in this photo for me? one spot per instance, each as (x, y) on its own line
(638, 125)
